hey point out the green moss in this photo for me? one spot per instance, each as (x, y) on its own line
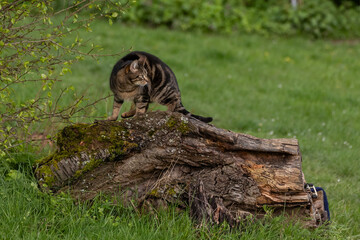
(171, 123)
(180, 125)
(154, 192)
(71, 138)
(44, 170)
(184, 127)
(88, 167)
(121, 148)
(47, 175)
(82, 137)
(117, 150)
(171, 192)
(78, 138)
(44, 160)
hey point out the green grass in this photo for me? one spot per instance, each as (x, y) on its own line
(27, 213)
(267, 87)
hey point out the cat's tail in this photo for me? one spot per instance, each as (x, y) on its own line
(187, 113)
(203, 119)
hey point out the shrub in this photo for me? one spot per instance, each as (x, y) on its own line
(317, 18)
(34, 53)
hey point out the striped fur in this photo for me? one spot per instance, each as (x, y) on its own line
(143, 78)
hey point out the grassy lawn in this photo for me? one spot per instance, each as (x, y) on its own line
(267, 87)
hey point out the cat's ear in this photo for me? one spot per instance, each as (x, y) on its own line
(127, 69)
(134, 66)
(142, 60)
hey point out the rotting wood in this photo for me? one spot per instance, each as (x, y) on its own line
(165, 158)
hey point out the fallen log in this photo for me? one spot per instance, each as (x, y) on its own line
(162, 158)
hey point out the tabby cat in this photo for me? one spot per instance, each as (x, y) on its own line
(143, 78)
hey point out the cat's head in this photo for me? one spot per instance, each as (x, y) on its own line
(137, 73)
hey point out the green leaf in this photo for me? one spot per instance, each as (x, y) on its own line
(14, 175)
(26, 64)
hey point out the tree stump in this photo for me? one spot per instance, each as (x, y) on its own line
(162, 158)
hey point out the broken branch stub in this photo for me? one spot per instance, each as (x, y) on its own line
(166, 158)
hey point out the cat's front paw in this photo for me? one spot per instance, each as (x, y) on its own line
(111, 118)
(127, 114)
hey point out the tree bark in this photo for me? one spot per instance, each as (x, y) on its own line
(162, 158)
